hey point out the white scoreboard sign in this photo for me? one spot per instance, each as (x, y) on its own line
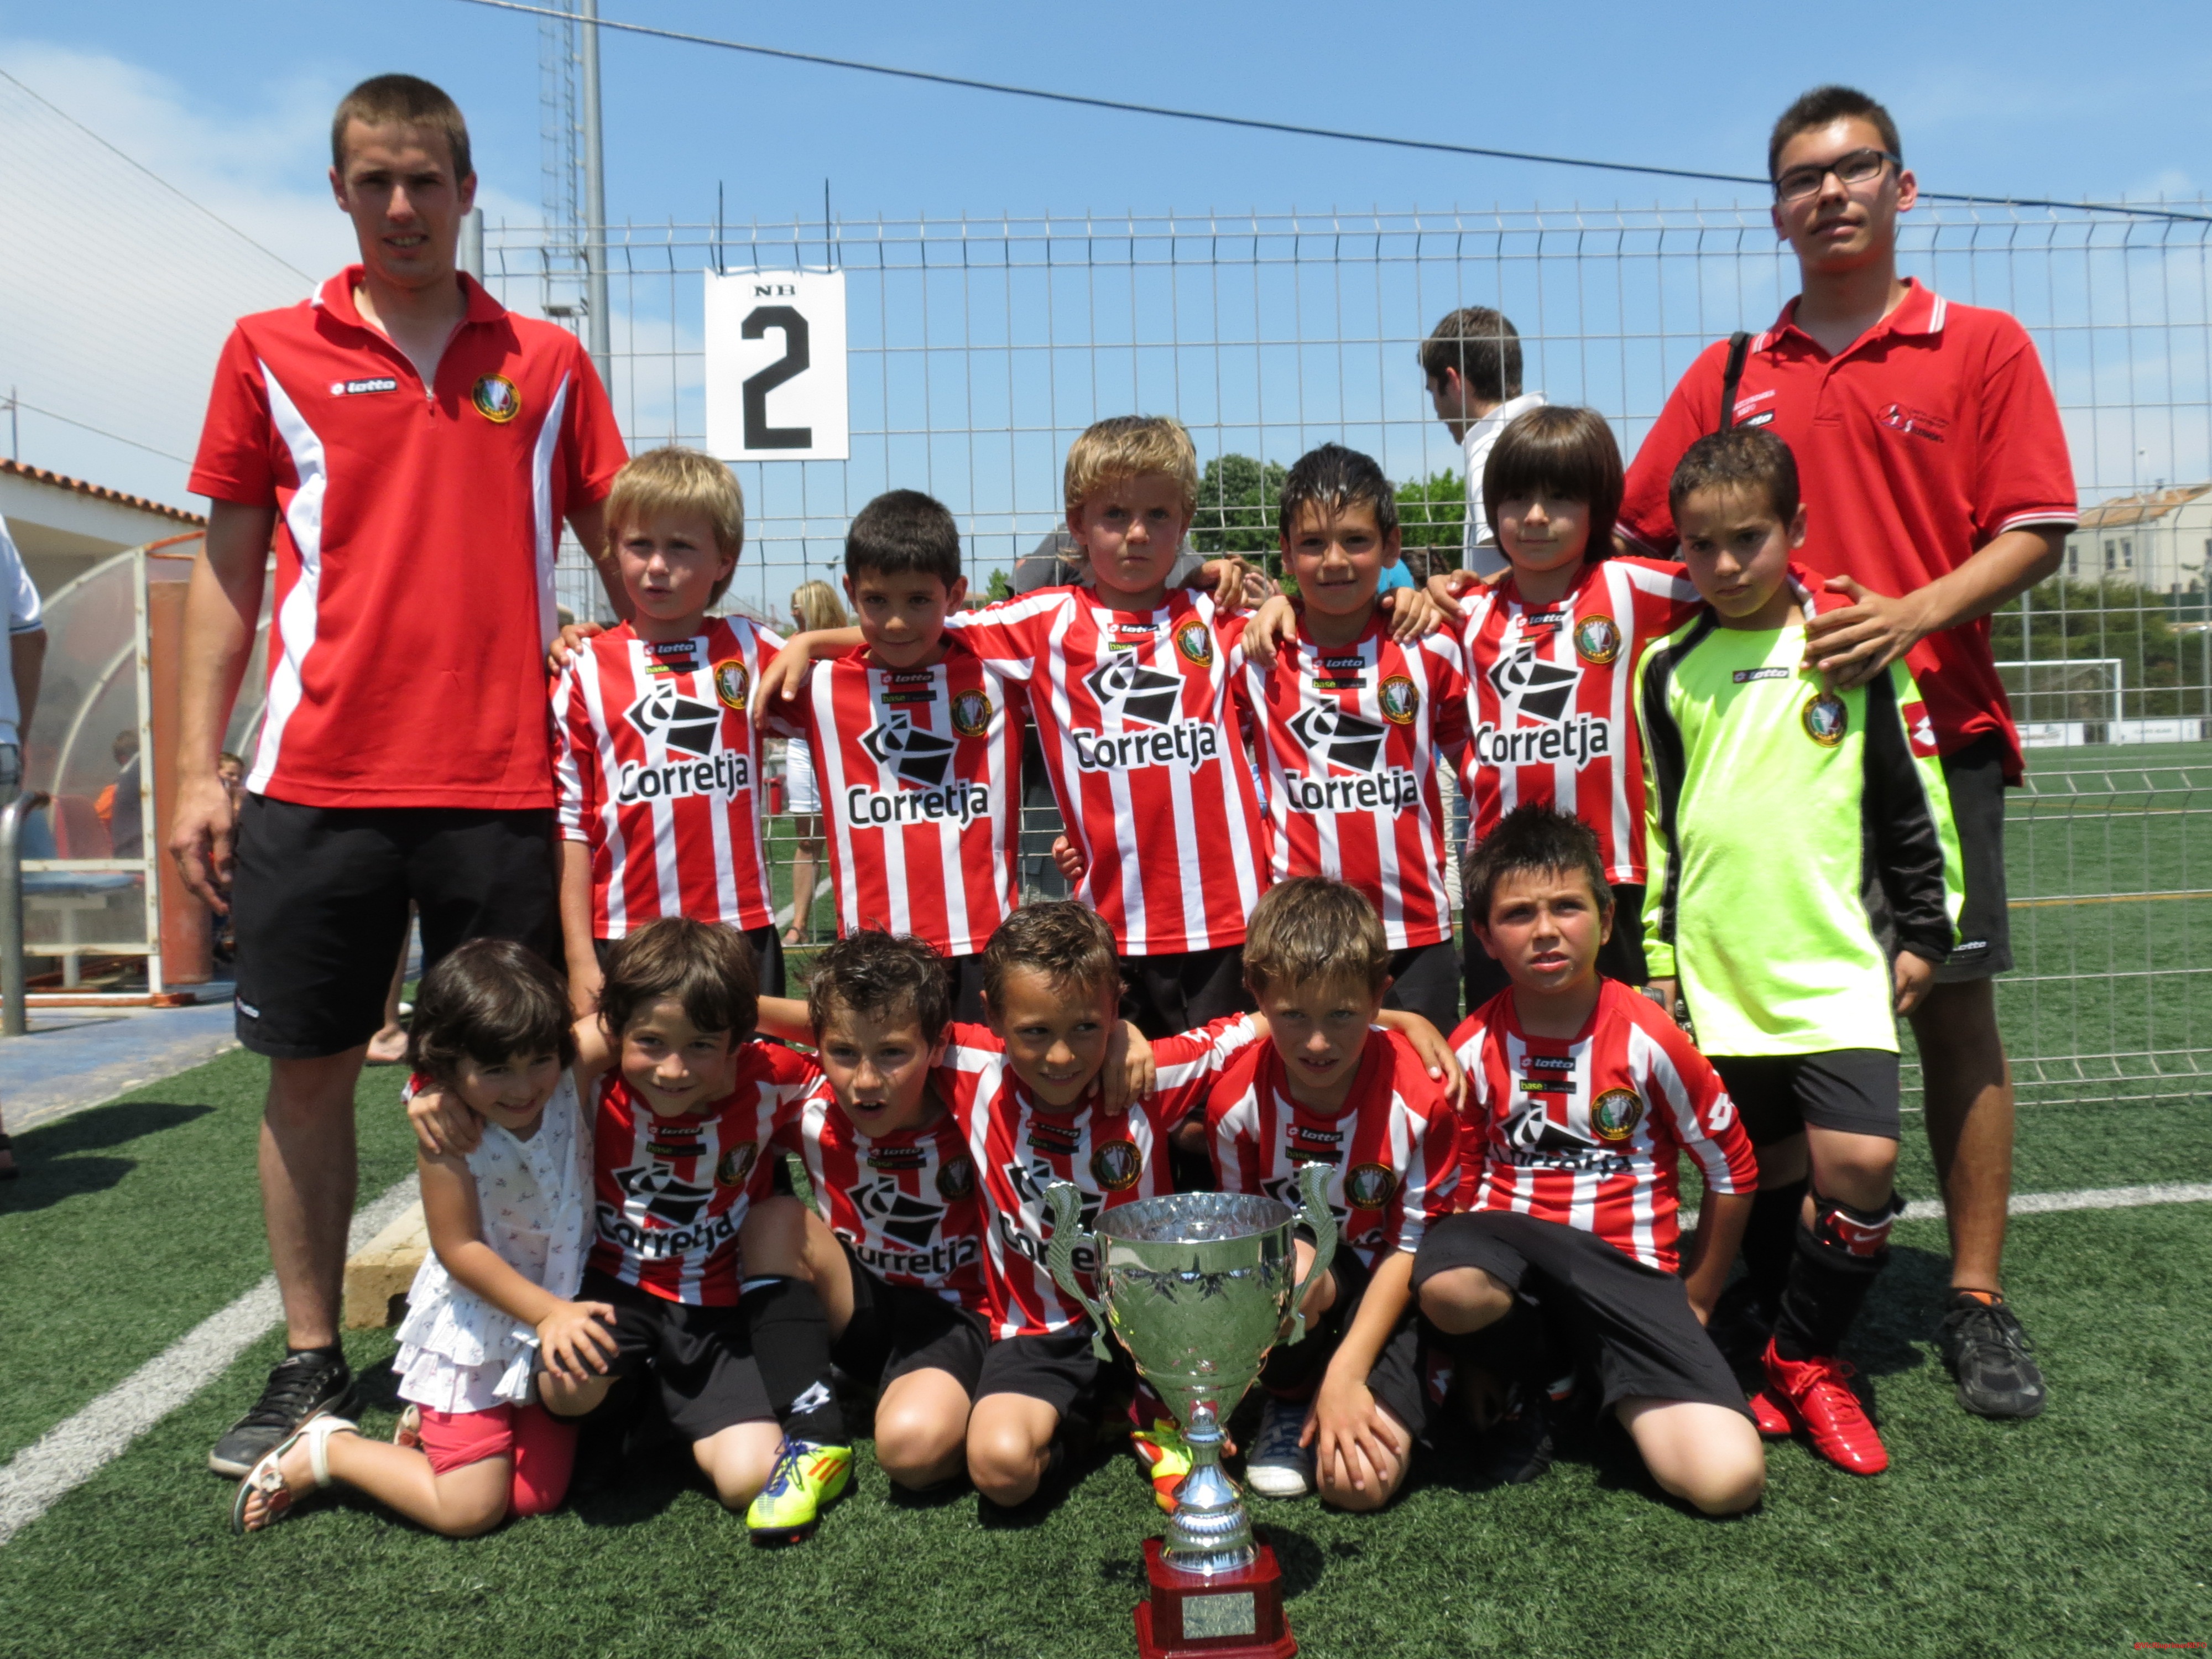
(775, 366)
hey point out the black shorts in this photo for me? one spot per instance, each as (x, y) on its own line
(1853, 1089)
(898, 1328)
(1181, 993)
(319, 909)
(701, 1359)
(1399, 1376)
(1425, 981)
(1621, 955)
(1633, 1322)
(768, 957)
(1975, 777)
(1058, 1367)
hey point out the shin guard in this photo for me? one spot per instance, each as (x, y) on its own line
(1831, 1271)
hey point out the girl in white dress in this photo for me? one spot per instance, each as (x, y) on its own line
(493, 1305)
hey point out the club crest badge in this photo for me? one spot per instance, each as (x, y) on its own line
(971, 713)
(1195, 639)
(1597, 640)
(1369, 1186)
(1615, 1114)
(495, 398)
(956, 1179)
(732, 681)
(1826, 719)
(1116, 1165)
(1399, 699)
(736, 1164)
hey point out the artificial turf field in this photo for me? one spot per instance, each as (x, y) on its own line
(2085, 1532)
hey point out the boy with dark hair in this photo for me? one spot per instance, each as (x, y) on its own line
(1350, 723)
(916, 738)
(1471, 363)
(655, 747)
(1855, 906)
(1929, 438)
(893, 1247)
(1026, 1089)
(1344, 1407)
(1584, 1097)
(683, 1103)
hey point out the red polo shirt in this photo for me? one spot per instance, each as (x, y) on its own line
(1923, 441)
(415, 534)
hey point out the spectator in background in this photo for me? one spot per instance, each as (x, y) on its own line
(813, 605)
(1472, 362)
(118, 806)
(19, 699)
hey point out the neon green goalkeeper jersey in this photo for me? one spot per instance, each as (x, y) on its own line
(1797, 837)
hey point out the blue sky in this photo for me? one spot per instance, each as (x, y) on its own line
(232, 111)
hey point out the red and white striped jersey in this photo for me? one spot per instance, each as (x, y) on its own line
(1348, 739)
(669, 1193)
(1133, 714)
(906, 1204)
(1020, 1148)
(1587, 1130)
(659, 768)
(1550, 720)
(1392, 1148)
(920, 774)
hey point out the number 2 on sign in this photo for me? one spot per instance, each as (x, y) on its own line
(759, 435)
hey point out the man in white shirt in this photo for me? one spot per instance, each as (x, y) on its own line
(26, 655)
(1472, 362)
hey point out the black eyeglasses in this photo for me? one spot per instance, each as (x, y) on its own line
(1859, 167)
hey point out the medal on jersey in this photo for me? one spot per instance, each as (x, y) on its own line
(971, 713)
(1597, 640)
(1194, 641)
(1827, 719)
(1116, 1165)
(1369, 1186)
(732, 681)
(736, 1164)
(1615, 1114)
(956, 1179)
(1400, 700)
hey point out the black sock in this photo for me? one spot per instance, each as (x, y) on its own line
(331, 1354)
(1770, 1240)
(1510, 1350)
(1834, 1266)
(791, 1345)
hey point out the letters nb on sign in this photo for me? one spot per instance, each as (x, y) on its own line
(775, 366)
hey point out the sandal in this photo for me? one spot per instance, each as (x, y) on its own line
(265, 1478)
(407, 1435)
(8, 1151)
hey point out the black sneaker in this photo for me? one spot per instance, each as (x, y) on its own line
(1991, 1358)
(301, 1386)
(1517, 1447)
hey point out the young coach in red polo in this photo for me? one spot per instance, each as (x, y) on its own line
(1936, 475)
(412, 447)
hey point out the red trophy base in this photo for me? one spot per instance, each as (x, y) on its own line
(1223, 1615)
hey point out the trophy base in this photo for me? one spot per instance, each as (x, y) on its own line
(1223, 1615)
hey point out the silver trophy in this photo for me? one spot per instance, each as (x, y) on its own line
(1198, 1287)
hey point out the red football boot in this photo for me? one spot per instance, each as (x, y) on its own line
(1817, 1394)
(1770, 1415)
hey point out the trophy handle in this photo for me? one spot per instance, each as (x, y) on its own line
(1066, 1204)
(1313, 1211)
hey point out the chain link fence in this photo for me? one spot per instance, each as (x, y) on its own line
(978, 349)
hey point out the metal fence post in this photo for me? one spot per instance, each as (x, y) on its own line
(12, 1014)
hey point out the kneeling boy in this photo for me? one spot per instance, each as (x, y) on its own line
(1806, 880)
(1582, 1098)
(1345, 1405)
(893, 1247)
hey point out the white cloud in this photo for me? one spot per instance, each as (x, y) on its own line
(119, 292)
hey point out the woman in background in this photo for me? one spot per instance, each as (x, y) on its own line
(813, 605)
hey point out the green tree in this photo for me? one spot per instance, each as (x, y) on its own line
(1432, 522)
(1237, 498)
(2166, 672)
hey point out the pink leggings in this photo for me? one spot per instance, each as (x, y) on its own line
(542, 1446)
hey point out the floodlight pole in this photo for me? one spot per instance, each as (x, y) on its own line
(600, 336)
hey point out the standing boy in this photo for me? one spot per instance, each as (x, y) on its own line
(1932, 446)
(1804, 885)
(1343, 1406)
(1584, 1097)
(1472, 362)
(401, 422)
(916, 738)
(1350, 723)
(653, 744)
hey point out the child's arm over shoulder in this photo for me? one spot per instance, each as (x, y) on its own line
(785, 674)
(785, 1019)
(1430, 1047)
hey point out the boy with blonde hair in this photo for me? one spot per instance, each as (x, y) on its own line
(656, 754)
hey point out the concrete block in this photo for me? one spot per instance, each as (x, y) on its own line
(376, 1278)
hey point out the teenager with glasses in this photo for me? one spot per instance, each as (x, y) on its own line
(1931, 453)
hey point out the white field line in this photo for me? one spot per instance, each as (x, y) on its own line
(74, 1451)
